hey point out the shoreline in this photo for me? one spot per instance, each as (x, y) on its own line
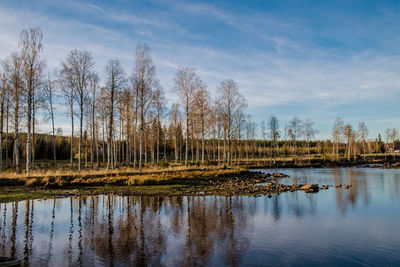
(190, 182)
(246, 183)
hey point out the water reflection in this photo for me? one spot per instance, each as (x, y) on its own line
(200, 231)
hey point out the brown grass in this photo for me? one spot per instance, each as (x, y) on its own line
(127, 176)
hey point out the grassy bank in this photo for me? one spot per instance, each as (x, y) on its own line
(129, 177)
(174, 181)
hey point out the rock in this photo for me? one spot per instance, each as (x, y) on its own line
(269, 196)
(309, 187)
(280, 175)
(324, 187)
(347, 186)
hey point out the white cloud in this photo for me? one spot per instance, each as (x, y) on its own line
(294, 72)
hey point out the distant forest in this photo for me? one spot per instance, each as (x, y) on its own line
(127, 121)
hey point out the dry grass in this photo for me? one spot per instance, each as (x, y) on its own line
(125, 176)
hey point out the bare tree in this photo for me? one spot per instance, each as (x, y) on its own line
(31, 49)
(3, 92)
(48, 91)
(295, 126)
(186, 85)
(115, 82)
(12, 67)
(391, 135)
(67, 86)
(159, 103)
(309, 134)
(273, 127)
(202, 111)
(93, 88)
(363, 135)
(350, 137)
(336, 137)
(250, 134)
(144, 81)
(79, 66)
(263, 132)
(103, 115)
(233, 104)
(174, 122)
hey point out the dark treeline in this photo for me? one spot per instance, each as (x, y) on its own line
(126, 120)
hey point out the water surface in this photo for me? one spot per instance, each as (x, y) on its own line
(358, 226)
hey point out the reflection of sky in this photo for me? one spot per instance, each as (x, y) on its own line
(334, 226)
(313, 59)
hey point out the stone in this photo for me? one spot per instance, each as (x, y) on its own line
(309, 187)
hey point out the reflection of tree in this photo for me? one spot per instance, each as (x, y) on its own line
(352, 196)
(112, 230)
(337, 176)
(176, 220)
(3, 229)
(28, 236)
(51, 235)
(395, 187)
(213, 223)
(80, 248)
(294, 204)
(14, 229)
(71, 232)
(366, 197)
(236, 245)
(125, 235)
(276, 208)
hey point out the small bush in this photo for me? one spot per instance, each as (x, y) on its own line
(32, 182)
(164, 164)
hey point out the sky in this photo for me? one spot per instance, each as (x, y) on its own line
(315, 60)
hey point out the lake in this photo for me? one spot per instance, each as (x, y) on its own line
(356, 226)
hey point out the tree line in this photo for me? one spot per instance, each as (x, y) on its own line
(126, 120)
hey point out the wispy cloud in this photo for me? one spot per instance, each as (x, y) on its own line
(285, 62)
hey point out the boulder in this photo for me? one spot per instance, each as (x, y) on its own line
(309, 187)
(280, 175)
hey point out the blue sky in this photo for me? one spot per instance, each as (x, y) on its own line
(314, 59)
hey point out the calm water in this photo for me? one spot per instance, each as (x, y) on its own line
(360, 226)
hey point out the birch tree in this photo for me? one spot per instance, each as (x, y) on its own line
(159, 103)
(174, 123)
(115, 82)
(202, 110)
(363, 135)
(12, 67)
(232, 105)
(31, 50)
(349, 135)
(93, 88)
(3, 92)
(49, 93)
(79, 65)
(309, 134)
(336, 137)
(144, 81)
(295, 131)
(273, 128)
(186, 85)
(67, 86)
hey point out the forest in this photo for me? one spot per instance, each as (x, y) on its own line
(127, 121)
